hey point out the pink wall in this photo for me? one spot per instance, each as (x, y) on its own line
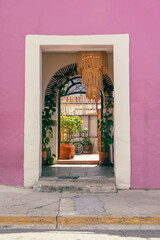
(139, 18)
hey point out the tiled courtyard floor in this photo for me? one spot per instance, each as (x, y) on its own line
(83, 171)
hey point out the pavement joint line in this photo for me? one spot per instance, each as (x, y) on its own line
(56, 222)
(65, 221)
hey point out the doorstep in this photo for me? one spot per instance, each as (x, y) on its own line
(75, 185)
(72, 161)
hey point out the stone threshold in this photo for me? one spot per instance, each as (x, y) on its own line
(74, 186)
(68, 161)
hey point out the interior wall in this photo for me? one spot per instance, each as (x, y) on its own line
(110, 66)
(51, 63)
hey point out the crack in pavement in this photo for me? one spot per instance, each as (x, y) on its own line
(14, 205)
(39, 207)
(58, 212)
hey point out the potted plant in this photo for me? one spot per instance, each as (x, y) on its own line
(86, 141)
(105, 126)
(50, 159)
(69, 126)
(47, 131)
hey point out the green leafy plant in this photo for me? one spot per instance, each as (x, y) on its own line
(105, 126)
(66, 141)
(50, 160)
(86, 140)
(69, 126)
(47, 125)
(84, 132)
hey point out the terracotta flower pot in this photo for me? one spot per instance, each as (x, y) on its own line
(65, 150)
(44, 156)
(103, 158)
(72, 151)
(88, 149)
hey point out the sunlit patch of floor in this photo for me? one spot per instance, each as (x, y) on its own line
(74, 165)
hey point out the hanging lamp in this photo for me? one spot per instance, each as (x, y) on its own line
(92, 66)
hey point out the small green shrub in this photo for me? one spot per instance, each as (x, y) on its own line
(69, 126)
(86, 140)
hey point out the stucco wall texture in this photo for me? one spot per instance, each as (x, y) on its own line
(139, 18)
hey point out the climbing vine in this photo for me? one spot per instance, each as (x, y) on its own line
(47, 124)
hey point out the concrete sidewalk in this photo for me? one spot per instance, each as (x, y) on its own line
(24, 206)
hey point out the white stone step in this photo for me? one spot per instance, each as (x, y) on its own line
(75, 186)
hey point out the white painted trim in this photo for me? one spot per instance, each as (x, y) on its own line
(32, 137)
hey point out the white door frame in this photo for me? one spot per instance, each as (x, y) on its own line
(35, 44)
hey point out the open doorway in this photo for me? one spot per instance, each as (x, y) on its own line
(36, 45)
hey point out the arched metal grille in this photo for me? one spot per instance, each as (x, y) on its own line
(74, 86)
(69, 73)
